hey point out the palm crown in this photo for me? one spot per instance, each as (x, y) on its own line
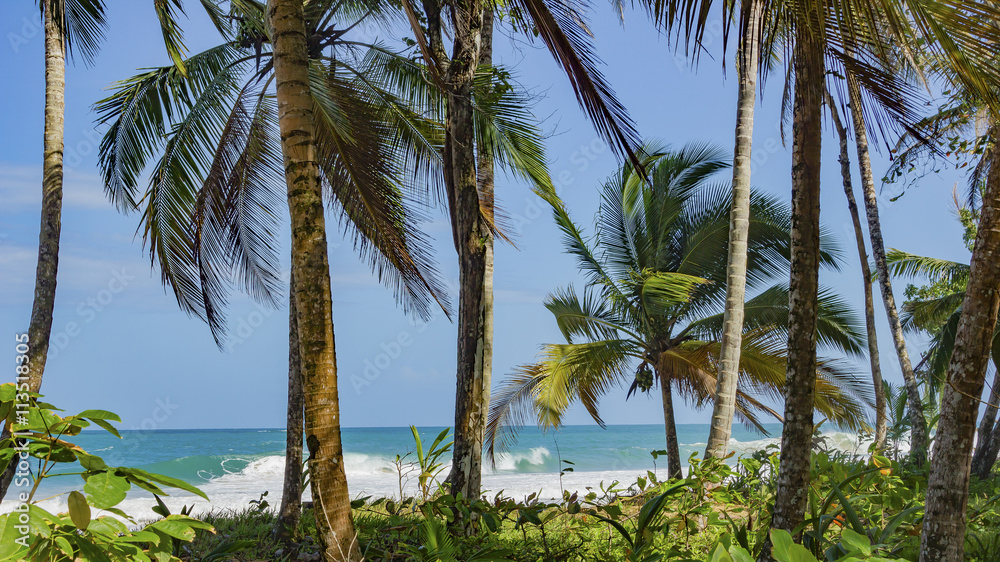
(654, 294)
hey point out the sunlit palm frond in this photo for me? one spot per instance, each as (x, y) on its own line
(905, 264)
(511, 408)
(930, 314)
(588, 317)
(584, 372)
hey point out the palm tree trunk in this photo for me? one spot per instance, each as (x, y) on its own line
(918, 431)
(739, 230)
(800, 380)
(311, 283)
(948, 484)
(988, 438)
(40, 327)
(52, 191)
(674, 470)
(472, 239)
(881, 422)
(287, 520)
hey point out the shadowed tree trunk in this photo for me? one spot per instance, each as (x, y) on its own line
(472, 242)
(287, 520)
(803, 289)
(918, 431)
(988, 442)
(670, 425)
(948, 484)
(40, 327)
(881, 421)
(52, 192)
(311, 283)
(739, 230)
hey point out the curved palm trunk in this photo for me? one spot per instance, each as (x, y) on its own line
(800, 382)
(918, 431)
(948, 484)
(881, 421)
(739, 231)
(52, 191)
(287, 520)
(311, 283)
(40, 327)
(473, 242)
(674, 470)
(988, 442)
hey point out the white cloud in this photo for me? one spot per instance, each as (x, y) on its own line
(21, 188)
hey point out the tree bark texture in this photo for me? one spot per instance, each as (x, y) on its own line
(943, 537)
(289, 512)
(724, 409)
(311, 283)
(918, 431)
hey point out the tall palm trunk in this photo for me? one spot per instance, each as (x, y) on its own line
(40, 327)
(988, 441)
(287, 520)
(803, 289)
(52, 191)
(918, 430)
(311, 283)
(948, 484)
(472, 238)
(670, 426)
(881, 421)
(739, 231)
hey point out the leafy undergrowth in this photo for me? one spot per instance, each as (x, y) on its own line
(859, 509)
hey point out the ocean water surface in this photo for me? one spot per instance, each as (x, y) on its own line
(234, 466)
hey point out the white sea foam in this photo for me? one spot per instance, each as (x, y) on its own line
(374, 475)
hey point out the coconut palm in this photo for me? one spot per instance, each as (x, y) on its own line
(210, 211)
(866, 276)
(729, 360)
(75, 28)
(398, 158)
(561, 26)
(653, 305)
(936, 311)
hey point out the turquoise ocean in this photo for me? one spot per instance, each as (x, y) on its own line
(234, 466)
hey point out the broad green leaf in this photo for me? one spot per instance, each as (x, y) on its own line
(177, 529)
(91, 462)
(79, 510)
(106, 490)
(99, 415)
(65, 546)
(855, 542)
(720, 555)
(9, 547)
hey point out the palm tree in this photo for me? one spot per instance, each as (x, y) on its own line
(76, 28)
(367, 172)
(311, 276)
(866, 277)
(948, 484)
(210, 210)
(656, 272)
(561, 27)
(936, 310)
(918, 431)
(739, 223)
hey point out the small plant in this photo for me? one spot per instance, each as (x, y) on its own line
(260, 504)
(429, 461)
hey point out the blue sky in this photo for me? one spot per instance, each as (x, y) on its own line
(120, 342)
